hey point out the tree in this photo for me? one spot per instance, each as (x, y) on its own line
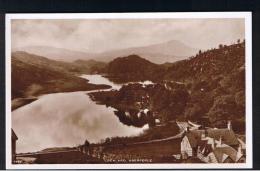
(86, 143)
(224, 108)
(193, 111)
(108, 140)
(240, 101)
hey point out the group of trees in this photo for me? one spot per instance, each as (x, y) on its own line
(138, 104)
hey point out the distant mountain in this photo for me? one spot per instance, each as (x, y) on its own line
(54, 53)
(170, 51)
(33, 75)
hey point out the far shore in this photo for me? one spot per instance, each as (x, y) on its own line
(22, 101)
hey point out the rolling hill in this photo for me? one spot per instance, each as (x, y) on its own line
(33, 75)
(76, 67)
(54, 53)
(131, 68)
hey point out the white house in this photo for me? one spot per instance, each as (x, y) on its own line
(212, 145)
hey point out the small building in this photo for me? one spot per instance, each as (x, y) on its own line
(212, 145)
(14, 139)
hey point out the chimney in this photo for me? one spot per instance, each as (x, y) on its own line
(239, 153)
(239, 150)
(203, 135)
(219, 143)
(229, 126)
(206, 132)
(213, 143)
(187, 129)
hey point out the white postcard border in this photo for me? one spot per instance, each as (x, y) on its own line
(248, 37)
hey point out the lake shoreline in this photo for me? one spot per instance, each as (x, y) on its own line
(22, 101)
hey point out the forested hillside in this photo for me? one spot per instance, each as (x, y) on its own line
(214, 80)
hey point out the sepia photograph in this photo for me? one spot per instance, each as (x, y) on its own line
(129, 90)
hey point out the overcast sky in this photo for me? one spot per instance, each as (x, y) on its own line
(98, 35)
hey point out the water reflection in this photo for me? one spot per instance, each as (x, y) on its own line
(98, 79)
(66, 119)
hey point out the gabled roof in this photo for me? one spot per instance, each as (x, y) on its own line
(194, 124)
(189, 124)
(219, 155)
(220, 151)
(228, 136)
(182, 125)
(14, 136)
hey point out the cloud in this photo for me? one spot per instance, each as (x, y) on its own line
(97, 35)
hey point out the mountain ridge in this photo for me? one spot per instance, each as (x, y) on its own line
(159, 53)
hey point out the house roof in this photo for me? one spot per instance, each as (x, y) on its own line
(220, 151)
(218, 154)
(228, 136)
(184, 125)
(14, 136)
(194, 124)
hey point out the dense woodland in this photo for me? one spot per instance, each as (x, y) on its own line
(209, 87)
